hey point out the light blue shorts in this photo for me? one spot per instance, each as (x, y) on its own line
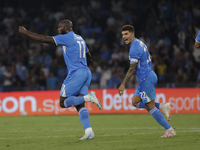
(146, 89)
(76, 82)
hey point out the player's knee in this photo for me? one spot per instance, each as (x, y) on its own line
(149, 106)
(62, 103)
(136, 99)
(134, 103)
(80, 106)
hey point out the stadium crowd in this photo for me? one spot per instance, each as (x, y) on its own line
(167, 27)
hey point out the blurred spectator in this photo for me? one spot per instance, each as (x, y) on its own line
(193, 73)
(44, 69)
(32, 54)
(47, 59)
(105, 53)
(61, 73)
(41, 81)
(7, 79)
(4, 40)
(198, 79)
(168, 30)
(52, 82)
(95, 78)
(54, 66)
(181, 78)
(114, 81)
(21, 72)
(105, 76)
(161, 70)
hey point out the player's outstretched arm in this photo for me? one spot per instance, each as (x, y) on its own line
(197, 41)
(128, 76)
(89, 58)
(37, 37)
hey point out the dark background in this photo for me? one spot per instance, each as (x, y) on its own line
(167, 27)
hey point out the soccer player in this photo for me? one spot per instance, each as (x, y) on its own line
(74, 90)
(144, 96)
(197, 41)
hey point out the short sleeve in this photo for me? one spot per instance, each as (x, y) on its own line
(134, 55)
(60, 39)
(198, 37)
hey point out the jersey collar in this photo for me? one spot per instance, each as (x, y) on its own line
(134, 41)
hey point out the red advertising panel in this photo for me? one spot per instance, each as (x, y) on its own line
(183, 100)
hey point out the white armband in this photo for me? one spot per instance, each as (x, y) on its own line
(133, 60)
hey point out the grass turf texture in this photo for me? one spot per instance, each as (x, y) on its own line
(112, 132)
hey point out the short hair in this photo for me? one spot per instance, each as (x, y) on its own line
(129, 28)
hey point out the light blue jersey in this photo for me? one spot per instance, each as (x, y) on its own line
(139, 54)
(74, 50)
(146, 76)
(79, 76)
(198, 37)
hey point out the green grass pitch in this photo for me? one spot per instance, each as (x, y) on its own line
(112, 132)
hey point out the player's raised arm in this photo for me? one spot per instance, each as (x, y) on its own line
(197, 41)
(37, 37)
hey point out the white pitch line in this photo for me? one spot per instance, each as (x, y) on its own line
(29, 137)
(77, 129)
(39, 124)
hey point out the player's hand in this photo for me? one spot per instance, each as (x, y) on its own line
(121, 89)
(22, 29)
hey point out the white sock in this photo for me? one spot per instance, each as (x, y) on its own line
(88, 130)
(86, 98)
(170, 129)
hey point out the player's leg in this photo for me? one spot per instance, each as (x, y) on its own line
(91, 97)
(158, 116)
(84, 118)
(138, 103)
(148, 94)
(72, 86)
(83, 112)
(165, 107)
(66, 102)
(62, 99)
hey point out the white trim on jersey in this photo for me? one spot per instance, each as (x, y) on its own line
(55, 41)
(197, 41)
(133, 60)
(63, 90)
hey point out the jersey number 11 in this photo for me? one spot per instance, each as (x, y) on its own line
(81, 46)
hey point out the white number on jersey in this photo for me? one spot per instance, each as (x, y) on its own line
(81, 45)
(149, 59)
